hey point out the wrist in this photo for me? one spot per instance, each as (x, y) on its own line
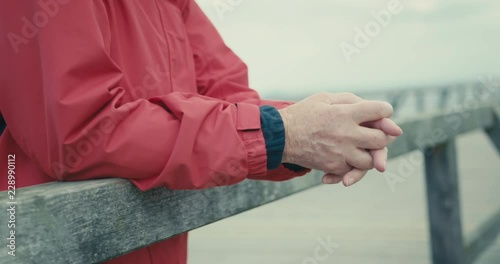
(286, 123)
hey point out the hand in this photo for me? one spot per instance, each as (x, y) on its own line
(379, 156)
(324, 132)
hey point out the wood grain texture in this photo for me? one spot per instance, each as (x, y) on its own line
(92, 221)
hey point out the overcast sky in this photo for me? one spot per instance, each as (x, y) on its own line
(294, 46)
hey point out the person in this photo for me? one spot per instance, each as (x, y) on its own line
(148, 91)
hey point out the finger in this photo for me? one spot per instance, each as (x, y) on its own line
(369, 138)
(331, 178)
(360, 159)
(339, 169)
(336, 166)
(354, 176)
(380, 159)
(344, 98)
(386, 125)
(365, 111)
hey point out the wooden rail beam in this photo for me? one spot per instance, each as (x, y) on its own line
(431, 129)
(93, 221)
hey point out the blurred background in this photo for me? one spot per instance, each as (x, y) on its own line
(296, 48)
(292, 46)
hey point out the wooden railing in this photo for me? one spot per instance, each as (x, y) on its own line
(93, 221)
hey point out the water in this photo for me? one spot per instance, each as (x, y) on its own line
(292, 47)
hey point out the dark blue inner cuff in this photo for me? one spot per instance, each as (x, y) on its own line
(274, 135)
(294, 167)
(3, 125)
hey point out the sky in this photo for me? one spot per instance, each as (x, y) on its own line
(309, 46)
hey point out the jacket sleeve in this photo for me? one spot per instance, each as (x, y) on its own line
(64, 107)
(220, 73)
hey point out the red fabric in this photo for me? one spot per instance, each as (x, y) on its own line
(142, 90)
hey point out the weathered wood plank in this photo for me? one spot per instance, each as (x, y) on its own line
(444, 204)
(92, 221)
(480, 240)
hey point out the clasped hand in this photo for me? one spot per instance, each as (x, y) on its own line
(340, 134)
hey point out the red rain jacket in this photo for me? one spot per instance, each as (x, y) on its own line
(143, 90)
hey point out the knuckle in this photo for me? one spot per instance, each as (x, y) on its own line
(371, 163)
(377, 141)
(321, 96)
(362, 139)
(380, 137)
(337, 167)
(342, 110)
(380, 145)
(350, 96)
(367, 164)
(343, 170)
(331, 166)
(366, 167)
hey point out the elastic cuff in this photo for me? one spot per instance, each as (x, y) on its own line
(274, 134)
(248, 123)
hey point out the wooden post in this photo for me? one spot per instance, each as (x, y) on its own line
(420, 98)
(443, 99)
(396, 100)
(494, 131)
(444, 204)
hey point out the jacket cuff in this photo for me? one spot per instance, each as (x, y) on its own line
(274, 135)
(248, 123)
(294, 167)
